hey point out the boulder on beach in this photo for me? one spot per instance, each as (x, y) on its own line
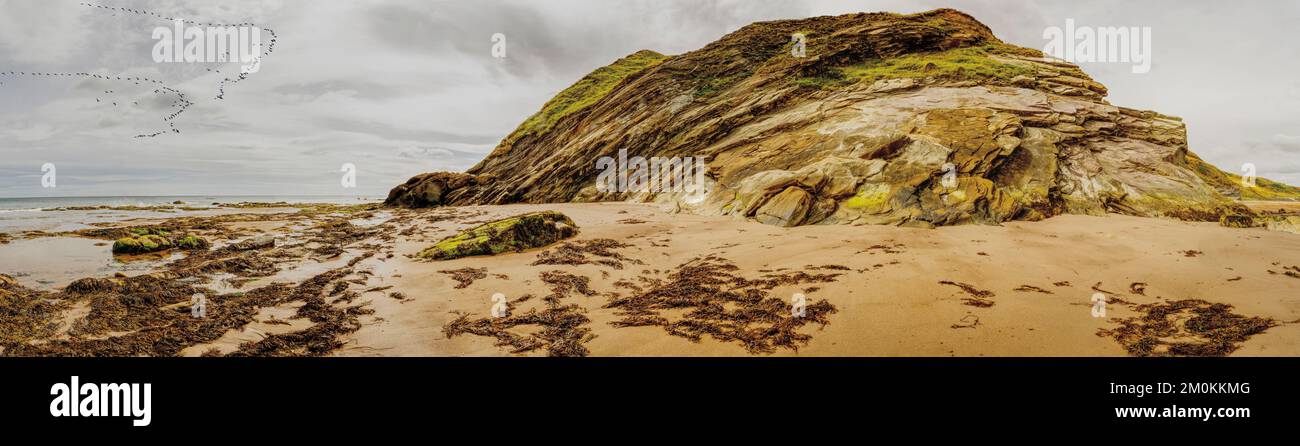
(146, 243)
(920, 120)
(259, 242)
(430, 189)
(516, 233)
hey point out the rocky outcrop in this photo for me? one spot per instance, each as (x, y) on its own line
(150, 242)
(509, 234)
(924, 119)
(431, 189)
(252, 243)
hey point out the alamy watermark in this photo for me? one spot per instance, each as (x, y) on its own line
(49, 175)
(1111, 44)
(499, 46)
(1098, 305)
(500, 306)
(192, 43)
(349, 179)
(657, 174)
(798, 45)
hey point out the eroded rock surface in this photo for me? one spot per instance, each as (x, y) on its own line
(516, 233)
(924, 119)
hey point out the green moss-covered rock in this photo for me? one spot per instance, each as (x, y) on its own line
(510, 234)
(192, 242)
(140, 244)
(1232, 185)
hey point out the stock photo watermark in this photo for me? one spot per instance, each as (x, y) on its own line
(349, 179)
(1106, 44)
(500, 307)
(656, 174)
(209, 44)
(78, 399)
(48, 175)
(499, 46)
(1098, 305)
(798, 305)
(198, 306)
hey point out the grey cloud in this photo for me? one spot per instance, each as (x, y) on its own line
(404, 86)
(370, 90)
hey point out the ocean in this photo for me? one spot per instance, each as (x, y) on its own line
(46, 262)
(49, 214)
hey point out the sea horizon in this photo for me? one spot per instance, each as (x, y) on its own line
(42, 203)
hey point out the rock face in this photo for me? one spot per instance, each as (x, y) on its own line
(431, 189)
(145, 243)
(510, 234)
(924, 119)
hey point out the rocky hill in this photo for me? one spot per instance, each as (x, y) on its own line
(924, 119)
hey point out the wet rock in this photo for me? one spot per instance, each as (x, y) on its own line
(147, 243)
(259, 242)
(1237, 221)
(430, 189)
(509, 234)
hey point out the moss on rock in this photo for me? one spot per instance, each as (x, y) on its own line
(509, 234)
(146, 243)
(586, 91)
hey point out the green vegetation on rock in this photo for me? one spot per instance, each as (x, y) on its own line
(1264, 189)
(192, 242)
(146, 243)
(712, 86)
(973, 63)
(586, 91)
(509, 234)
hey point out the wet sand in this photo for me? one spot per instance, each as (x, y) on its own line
(891, 302)
(1020, 289)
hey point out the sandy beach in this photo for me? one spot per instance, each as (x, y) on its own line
(346, 281)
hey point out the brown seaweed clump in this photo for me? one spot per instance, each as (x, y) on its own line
(563, 327)
(976, 297)
(26, 314)
(705, 296)
(517, 233)
(1190, 327)
(162, 329)
(465, 277)
(577, 252)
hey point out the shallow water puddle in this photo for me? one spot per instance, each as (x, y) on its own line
(32, 263)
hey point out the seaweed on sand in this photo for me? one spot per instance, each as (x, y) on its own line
(167, 333)
(1190, 327)
(577, 252)
(977, 297)
(26, 314)
(465, 276)
(1032, 289)
(563, 327)
(134, 303)
(705, 296)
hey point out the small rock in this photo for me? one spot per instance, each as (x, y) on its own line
(509, 234)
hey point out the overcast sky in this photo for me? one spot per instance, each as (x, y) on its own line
(399, 87)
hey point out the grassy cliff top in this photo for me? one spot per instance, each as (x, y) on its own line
(1264, 189)
(586, 91)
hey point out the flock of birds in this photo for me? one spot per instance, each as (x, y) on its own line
(221, 86)
(180, 102)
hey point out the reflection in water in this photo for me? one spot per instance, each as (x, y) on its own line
(49, 262)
